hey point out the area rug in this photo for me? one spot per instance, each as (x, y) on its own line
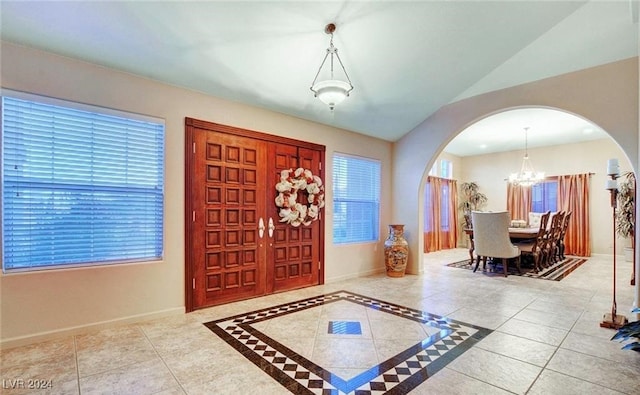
(555, 272)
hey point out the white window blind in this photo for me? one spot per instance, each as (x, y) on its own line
(79, 187)
(356, 199)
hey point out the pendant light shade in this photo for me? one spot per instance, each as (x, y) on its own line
(332, 90)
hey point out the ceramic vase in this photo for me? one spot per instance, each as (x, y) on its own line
(396, 251)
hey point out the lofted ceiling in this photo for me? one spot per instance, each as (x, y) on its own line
(406, 59)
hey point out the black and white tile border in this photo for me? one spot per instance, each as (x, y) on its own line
(397, 375)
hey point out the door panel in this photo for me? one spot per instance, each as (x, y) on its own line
(231, 264)
(230, 178)
(294, 251)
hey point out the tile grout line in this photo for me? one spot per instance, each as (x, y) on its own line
(558, 347)
(144, 333)
(477, 379)
(533, 382)
(75, 354)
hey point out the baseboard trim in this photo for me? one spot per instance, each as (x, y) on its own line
(80, 329)
(354, 275)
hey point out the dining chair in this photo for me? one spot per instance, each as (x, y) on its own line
(491, 239)
(551, 239)
(563, 233)
(535, 247)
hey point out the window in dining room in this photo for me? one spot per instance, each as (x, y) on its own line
(442, 168)
(544, 196)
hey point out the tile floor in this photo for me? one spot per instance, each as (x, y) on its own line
(513, 335)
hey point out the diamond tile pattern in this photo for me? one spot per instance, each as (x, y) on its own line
(402, 372)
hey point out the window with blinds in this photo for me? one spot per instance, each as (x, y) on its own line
(80, 185)
(356, 199)
(544, 196)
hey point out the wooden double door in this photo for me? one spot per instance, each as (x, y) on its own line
(235, 245)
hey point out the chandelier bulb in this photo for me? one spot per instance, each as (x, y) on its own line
(527, 175)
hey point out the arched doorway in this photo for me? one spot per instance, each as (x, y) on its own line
(559, 144)
(614, 108)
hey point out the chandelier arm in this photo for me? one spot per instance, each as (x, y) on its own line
(527, 176)
(319, 70)
(332, 50)
(344, 71)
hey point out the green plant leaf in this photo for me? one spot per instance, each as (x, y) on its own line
(635, 346)
(628, 331)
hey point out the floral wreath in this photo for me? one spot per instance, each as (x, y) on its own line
(291, 211)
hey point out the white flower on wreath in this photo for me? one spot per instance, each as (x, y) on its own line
(291, 211)
(283, 186)
(290, 216)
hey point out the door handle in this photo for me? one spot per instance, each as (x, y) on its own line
(271, 227)
(261, 228)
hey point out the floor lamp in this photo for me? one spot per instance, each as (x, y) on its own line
(613, 320)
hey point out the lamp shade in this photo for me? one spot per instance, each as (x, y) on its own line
(331, 92)
(613, 168)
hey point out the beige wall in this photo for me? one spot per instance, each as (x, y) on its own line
(40, 305)
(606, 95)
(491, 170)
(45, 304)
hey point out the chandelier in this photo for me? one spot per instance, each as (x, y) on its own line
(331, 91)
(527, 175)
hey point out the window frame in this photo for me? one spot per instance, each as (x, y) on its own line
(376, 226)
(109, 112)
(544, 185)
(442, 168)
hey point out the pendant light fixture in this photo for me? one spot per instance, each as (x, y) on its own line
(332, 90)
(527, 175)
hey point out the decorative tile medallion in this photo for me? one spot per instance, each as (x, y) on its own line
(344, 328)
(397, 375)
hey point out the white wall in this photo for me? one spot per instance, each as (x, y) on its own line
(606, 95)
(44, 304)
(491, 170)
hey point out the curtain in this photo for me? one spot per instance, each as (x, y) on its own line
(518, 201)
(441, 214)
(573, 195)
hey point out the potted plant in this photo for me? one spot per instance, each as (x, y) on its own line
(628, 331)
(472, 200)
(625, 212)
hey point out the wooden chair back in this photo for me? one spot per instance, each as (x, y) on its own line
(542, 231)
(551, 248)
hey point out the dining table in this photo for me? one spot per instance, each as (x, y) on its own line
(515, 234)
